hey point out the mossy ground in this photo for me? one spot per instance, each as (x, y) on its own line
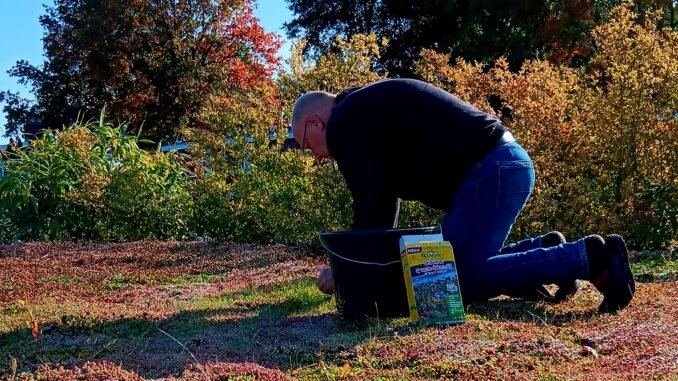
(196, 311)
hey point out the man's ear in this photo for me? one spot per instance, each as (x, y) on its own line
(311, 119)
(321, 123)
(315, 121)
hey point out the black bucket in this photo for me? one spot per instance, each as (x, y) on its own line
(367, 271)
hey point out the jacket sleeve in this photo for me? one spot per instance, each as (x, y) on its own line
(358, 147)
(374, 205)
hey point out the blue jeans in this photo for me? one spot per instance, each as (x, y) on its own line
(479, 220)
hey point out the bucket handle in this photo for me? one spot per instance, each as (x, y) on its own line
(353, 260)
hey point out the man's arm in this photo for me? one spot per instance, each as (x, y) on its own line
(374, 205)
(359, 148)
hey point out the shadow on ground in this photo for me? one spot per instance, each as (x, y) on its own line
(283, 335)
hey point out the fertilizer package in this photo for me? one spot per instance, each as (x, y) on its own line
(431, 280)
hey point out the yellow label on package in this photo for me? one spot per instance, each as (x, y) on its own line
(431, 281)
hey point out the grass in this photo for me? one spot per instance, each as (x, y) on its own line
(60, 279)
(655, 267)
(121, 282)
(194, 311)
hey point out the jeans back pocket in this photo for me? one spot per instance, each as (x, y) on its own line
(515, 184)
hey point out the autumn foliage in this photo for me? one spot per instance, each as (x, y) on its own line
(603, 138)
(278, 197)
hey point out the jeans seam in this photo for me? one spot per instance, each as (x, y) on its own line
(498, 196)
(583, 257)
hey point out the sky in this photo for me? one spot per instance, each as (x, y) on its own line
(21, 37)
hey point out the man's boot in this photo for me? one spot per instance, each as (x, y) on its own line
(616, 243)
(610, 272)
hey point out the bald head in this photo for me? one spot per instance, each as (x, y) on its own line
(314, 102)
(309, 119)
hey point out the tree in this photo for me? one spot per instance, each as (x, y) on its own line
(349, 63)
(475, 30)
(152, 62)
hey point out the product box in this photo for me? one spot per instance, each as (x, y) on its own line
(431, 280)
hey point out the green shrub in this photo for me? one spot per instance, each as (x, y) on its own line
(282, 198)
(92, 181)
(149, 199)
(42, 191)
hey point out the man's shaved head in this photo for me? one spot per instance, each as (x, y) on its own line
(309, 119)
(311, 103)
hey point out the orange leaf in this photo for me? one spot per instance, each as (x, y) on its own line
(345, 369)
(36, 329)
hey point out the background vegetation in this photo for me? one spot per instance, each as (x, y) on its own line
(92, 182)
(602, 131)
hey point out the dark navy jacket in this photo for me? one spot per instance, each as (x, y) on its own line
(403, 138)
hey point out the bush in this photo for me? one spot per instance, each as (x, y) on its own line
(603, 139)
(285, 197)
(52, 190)
(282, 198)
(148, 200)
(93, 182)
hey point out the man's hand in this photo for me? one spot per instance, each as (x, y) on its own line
(325, 282)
